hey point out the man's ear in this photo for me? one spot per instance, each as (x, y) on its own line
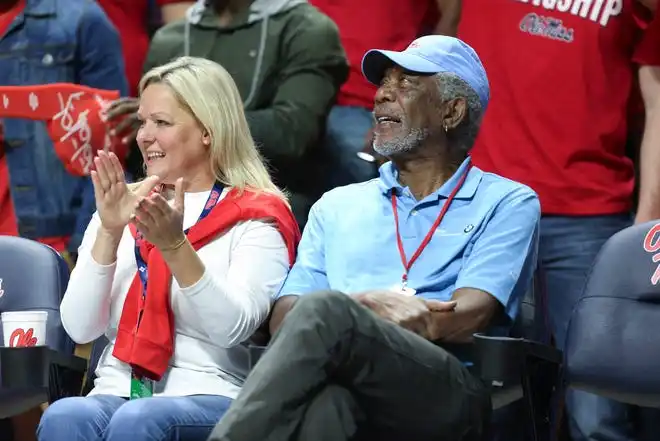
(455, 112)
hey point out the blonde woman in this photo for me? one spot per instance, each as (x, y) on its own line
(176, 270)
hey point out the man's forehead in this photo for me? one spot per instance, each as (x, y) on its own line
(397, 71)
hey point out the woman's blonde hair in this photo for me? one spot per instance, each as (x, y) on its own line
(208, 92)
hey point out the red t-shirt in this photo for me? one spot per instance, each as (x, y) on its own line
(561, 75)
(372, 24)
(648, 51)
(130, 18)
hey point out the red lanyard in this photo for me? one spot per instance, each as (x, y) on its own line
(407, 264)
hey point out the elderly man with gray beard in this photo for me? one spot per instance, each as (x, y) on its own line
(392, 271)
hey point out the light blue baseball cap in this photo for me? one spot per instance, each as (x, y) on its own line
(431, 54)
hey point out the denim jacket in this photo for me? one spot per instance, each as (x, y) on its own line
(54, 41)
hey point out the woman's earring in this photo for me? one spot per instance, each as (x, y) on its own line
(444, 126)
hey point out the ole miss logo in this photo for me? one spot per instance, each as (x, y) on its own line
(20, 338)
(652, 245)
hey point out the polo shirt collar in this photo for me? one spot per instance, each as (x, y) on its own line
(389, 176)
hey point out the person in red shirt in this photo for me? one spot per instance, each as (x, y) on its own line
(561, 77)
(131, 18)
(363, 25)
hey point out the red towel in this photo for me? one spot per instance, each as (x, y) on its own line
(75, 120)
(149, 347)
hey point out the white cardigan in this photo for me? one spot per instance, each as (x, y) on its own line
(245, 268)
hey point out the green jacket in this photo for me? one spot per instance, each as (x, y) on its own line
(288, 63)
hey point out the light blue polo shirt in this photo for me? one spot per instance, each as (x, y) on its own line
(487, 240)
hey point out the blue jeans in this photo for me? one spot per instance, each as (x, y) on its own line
(346, 133)
(567, 249)
(112, 418)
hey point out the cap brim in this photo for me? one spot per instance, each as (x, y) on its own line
(376, 61)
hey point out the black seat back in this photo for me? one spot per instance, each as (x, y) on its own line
(531, 322)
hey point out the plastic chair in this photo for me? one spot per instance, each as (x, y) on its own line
(34, 277)
(613, 340)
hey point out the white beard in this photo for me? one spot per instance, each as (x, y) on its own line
(401, 144)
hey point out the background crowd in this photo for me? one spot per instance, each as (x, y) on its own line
(574, 112)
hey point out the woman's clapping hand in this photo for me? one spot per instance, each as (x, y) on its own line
(115, 201)
(159, 222)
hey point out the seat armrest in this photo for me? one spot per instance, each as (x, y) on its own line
(504, 359)
(42, 369)
(24, 368)
(498, 358)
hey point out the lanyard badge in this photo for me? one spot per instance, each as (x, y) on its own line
(141, 387)
(403, 287)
